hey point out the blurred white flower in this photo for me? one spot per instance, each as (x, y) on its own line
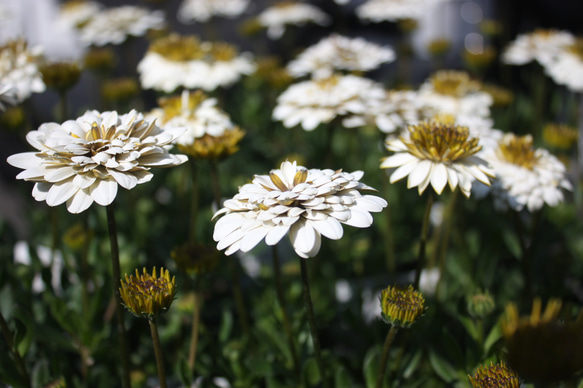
(540, 45)
(7, 96)
(566, 66)
(115, 25)
(343, 291)
(47, 258)
(204, 10)
(338, 52)
(220, 382)
(310, 103)
(276, 17)
(83, 161)
(307, 204)
(393, 10)
(19, 73)
(454, 92)
(437, 153)
(75, 13)
(176, 61)
(525, 177)
(428, 281)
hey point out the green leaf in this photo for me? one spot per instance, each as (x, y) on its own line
(342, 378)
(371, 365)
(470, 326)
(259, 366)
(493, 336)
(413, 364)
(226, 326)
(512, 243)
(442, 367)
(311, 372)
(184, 372)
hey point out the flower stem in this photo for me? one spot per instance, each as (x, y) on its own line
(388, 340)
(312, 321)
(195, 327)
(286, 322)
(17, 358)
(158, 351)
(216, 183)
(390, 259)
(194, 199)
(447, 224)
(423, 241)
(116, 272)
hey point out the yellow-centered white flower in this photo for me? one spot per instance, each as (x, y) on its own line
(566, 66)
(75, 13)
(19, 71)
(540, 45)
(393, 10)
(276, 17)
(525, 177)
(203, 10)
(307, 204)
(439, 154)
(84, 160)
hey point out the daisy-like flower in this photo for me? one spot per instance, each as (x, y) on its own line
(203, 10)
(454, 92)
(495, 376)
(176, 61)
(307, 204)
(401, 307)
(115, 25)
(75, 13)
(83, 161)
(393, 10)
(437, 153)
(525, 176)
(540, 45)
(312, 102)
(338, 52)
(566, 66)
(19, 69)
(276, 17)
(148, 295)
(209, 130)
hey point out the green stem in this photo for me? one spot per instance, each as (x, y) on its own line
(286, 321)
(116, 272)
(312, 321)
(158, 351)
(388, 340)
(390, 259)
(216, 183)
(448, 222)
(423, 241)
(195, 327)
(194, 200)
(239, 301)
(525, 254)
(20, 365)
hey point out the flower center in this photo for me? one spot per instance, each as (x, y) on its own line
(221, 51)
(179, 105)
(518, 150)
(178, 48)
(328, 83)
(453, 83)
(577, 48)
(441, 142)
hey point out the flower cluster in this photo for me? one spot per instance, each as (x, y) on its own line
(19, 69)
(539, 45)
(148, 295)
(203, 10)
(401, 307)
(276, 17)
(393, 10)
(307, 204)
(84, 160)
(184, 61)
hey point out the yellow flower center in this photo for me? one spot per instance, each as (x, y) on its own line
(221, 51)
(560, 135)
(441, 142)
(401, 306)
(453, 83)
(327, 83)
(175, 105)
(518, 150)
(577, 48)
(495, 376)
(148, 295)
(178, 48)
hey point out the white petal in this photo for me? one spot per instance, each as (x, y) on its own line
(276, 234)
(303, 237)
(252, 238)
(330, 228)
(60, 173)
(25, 160)
(371, 203)
(41, 190)
(402, 171)
(226, 225)
(126, 180)
(419, 174)
(104, 191)
(230, 239)
(359, 218)
(79, 202)
(398, 159)
(61, 192)
(439, 177)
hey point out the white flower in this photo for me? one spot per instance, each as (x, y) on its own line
(566, 66)
(277, 16)
(393, 10)
(337, 52)
(307, 204)
(437, 153)
(115, 25)
(540, 45)
(7, 96)
(176, 61)
(310, 103)
(84, 160)
(48, 258)
(75, 13)
(204, 10)
(453, 92)
(195, 112)
(525, 177)
(19, 69)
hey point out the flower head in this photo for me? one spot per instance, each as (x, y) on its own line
(276, 17)
(495, 376)
(84, 160)
(480, 305)
(203, 10)
(437, 153)
(525, 176)
(76, 13)
(148, 295)
(307, 204)
(540, 45)
(19, 69)
(541, 348)
(401, 307)
(115, 25)
(393, 10)
(310, 103)
(60, 75)
(566, 66)
(338, 52)
(560, 136)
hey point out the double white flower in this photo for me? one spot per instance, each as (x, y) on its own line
(307, 204)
